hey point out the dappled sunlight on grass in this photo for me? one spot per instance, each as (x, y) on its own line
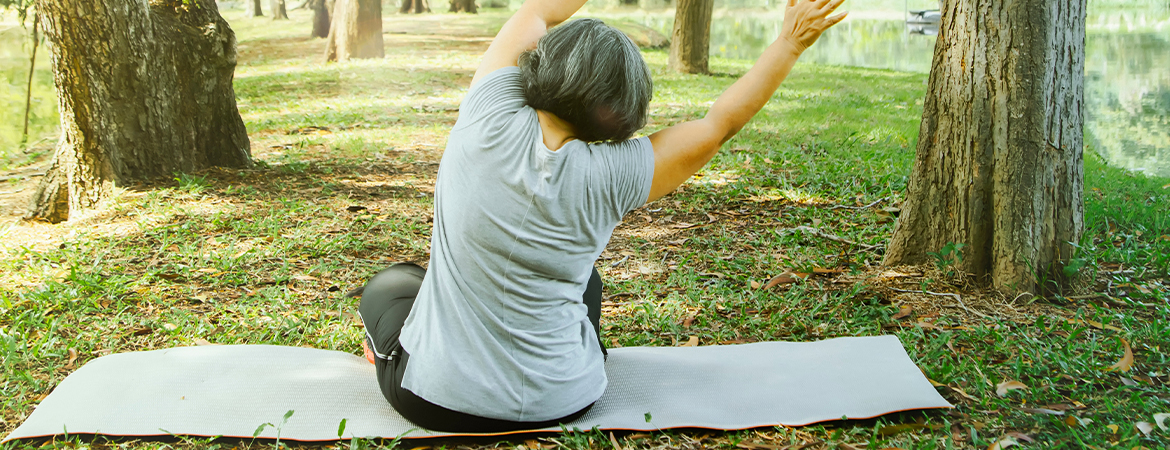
(346, 158)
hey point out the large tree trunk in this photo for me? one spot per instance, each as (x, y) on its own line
(414, 6)
(143, 91)
(279, 12)
(254, 8)
(999, 166)
(355, 31)
(463, 6)
(690, 40)
(321, 15)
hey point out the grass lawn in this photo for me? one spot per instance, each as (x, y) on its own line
(346, 156)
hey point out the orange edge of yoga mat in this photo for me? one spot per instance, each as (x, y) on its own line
(452, 435)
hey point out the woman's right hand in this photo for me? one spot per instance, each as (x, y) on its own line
(805, 20)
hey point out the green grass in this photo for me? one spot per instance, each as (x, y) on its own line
(264, 256)
(15, 46)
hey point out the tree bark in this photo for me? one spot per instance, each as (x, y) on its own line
(355, 30)
(414, 6)
(144, 91)
(321, 15)
(463, 6)
(254, 8)
(690, 39)
(279, 12)
(999, 165)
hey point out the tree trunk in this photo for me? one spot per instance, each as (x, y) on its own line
(279, 12)
(999, 166)
(355, 30)
(144, 91)
(254, 8)
(690, 40)
(414, 6)
(463, 6)
(320, 18)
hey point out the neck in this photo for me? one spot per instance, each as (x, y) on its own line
(556, 131)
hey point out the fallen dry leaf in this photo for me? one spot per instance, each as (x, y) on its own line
(687, 322)
(1074, 421)
(692, 342)
(1003, 388)
(756, 446)
(1126, 361)
(201, 341)
(927, 325)
(72, 358)
(784, 278)
(613, 440)
(891, 430)
(963, 393)
(1160, 419)
(1112, 428)
(1101, 326)
(1021, 436)
(755, 284)
(1005, 442)
(1144, 427)
(1051, 412)
(903, 312)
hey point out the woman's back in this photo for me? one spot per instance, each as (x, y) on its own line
(499, 329)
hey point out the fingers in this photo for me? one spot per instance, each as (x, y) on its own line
(831, 5)
(836, 19)
(791, 3)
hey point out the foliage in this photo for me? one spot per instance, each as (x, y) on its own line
(22, 7)
(948, 258)
(347, 156)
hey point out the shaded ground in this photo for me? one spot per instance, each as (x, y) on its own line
(778, 239)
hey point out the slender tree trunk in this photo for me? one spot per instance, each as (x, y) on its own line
(999, 166)
(355, 30)
(690, 39)
(254, 8)
(144, 91)
(279, 12)
(320, 18)
(414, 6)
(32, 67)
(463, 6)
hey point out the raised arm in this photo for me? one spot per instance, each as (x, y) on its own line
(522, 31)
(683, 149)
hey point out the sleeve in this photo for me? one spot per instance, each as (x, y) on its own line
(499, 92)
(625, 171)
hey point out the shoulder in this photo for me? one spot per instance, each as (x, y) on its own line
(499, 92)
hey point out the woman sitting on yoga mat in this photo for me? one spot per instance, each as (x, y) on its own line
(501, 331)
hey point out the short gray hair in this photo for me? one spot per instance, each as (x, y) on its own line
(590, 75)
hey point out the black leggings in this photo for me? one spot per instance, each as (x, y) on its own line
(386, 302)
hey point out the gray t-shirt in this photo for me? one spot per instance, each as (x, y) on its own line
(499, 329)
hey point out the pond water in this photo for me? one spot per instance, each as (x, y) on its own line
(1127, 60)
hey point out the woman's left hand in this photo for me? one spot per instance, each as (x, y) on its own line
(805, 20)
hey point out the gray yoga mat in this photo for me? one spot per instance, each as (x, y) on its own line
(232, 390)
